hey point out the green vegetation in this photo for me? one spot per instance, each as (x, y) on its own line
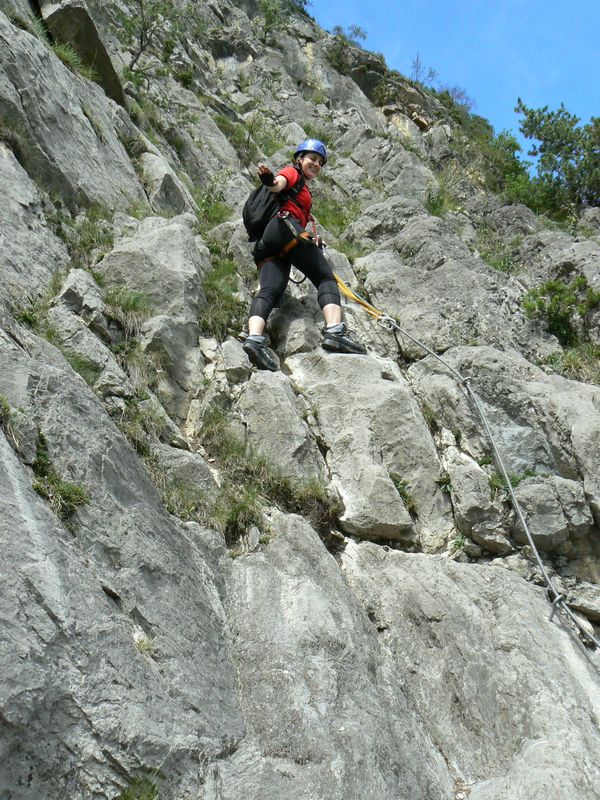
(240, 138)
(73, 60)
(129, 308)
(140, 789)
(567, 175)
(141, 422)
(15, 136)
(34, 25)
(252, 481)
(580, 363)
(336, 215)
(7, 417)
(89, 370)
(560, 305)
(458, 543)
(149, 29)
(339, 51)
(144, 645)
(93, 237)
(443, 197)
(350, 249)
(5, 413)
(225, 311)
(211, 207)
(273, 15)
(568, 167)
(35, 315)
(185, 501)
(64, 497)
(497, 482)
(266, 134)
(430, 417)
(403, 489)
(498, 254)
(141, 365)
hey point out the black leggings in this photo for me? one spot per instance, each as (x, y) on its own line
(275, 273)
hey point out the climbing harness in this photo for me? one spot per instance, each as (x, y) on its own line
(390, 324)
(303, 236)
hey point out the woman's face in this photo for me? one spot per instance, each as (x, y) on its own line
(311, 164)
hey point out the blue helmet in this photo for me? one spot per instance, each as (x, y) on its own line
(311, 146)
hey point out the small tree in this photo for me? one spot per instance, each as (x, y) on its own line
(568, 167)
(561, 304)
(420, 73)
(352, 34)
(150, 30)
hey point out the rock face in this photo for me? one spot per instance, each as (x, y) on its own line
(67, 125)
(70, 22)
(222, 583)
(472, 661)
(31, 255)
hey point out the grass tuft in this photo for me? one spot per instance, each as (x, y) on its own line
(251, 481)
(225, 312)
(71, 58)
(64, 497)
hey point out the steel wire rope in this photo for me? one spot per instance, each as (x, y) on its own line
(390, 324)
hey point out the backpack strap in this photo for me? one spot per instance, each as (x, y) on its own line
(291, 194)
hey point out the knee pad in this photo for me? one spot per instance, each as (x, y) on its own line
(328, 293)
(264, 302)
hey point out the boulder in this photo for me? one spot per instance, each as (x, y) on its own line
(541, 423)
(289, 445)
(380, 454)
(70, 22)
(164, 188)
(555, 510)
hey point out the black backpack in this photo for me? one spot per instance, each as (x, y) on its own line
(262, 205)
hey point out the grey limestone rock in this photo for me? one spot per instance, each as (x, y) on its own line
(67, 122)
(555, 510)
(29, 252)
(291, 447)
(378, 438)
(126, 599)
(513, 704)
(235, 362)
(80, 294)
(184, 470)
(322, 720)
(70, 22)
(585, 597)
(470, 490)
(89, 355)
(164, 260)
(136, 645)
(164, 188)
(541, 423)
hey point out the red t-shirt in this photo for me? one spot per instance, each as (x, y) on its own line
(300, 206)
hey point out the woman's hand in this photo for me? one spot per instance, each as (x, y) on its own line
(266, 176)
(274, 184)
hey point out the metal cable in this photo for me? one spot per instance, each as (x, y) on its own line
(390, 324)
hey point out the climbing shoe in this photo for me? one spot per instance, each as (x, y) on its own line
(337, 339)
(259, 354)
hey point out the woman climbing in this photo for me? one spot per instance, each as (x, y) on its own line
(285, 243)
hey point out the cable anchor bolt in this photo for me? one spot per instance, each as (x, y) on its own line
(555, 603)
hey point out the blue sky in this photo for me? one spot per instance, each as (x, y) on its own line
(544, 52)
